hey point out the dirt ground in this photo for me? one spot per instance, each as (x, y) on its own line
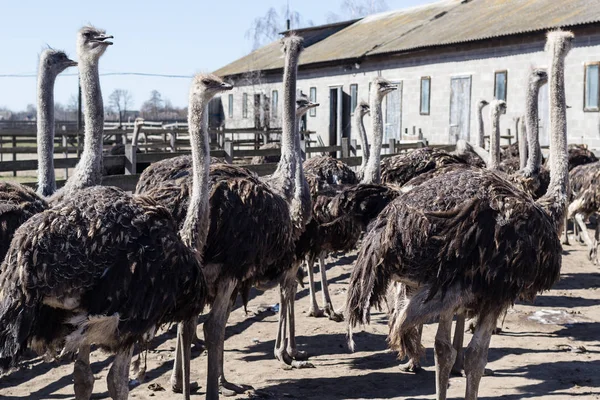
(548, 350)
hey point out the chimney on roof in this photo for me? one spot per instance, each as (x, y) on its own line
(289, 24)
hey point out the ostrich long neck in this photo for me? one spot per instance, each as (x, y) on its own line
(359, 122)
(494, 156)
(481, 128)
(195, 227)
(372, 173)
(555, 198)
(522, 139)
(301, 203)
(45, 132)
(531, 121)
(89, 169)
(283, 178)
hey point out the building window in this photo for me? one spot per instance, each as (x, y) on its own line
(245, 105)
(500, 83)
(353, 97)
(230, 105)
(592, 88)
(425, 95)
(274, 103)
(313, 99)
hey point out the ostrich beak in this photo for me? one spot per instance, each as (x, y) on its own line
(226, 86)
(72, 63)
(102, 39)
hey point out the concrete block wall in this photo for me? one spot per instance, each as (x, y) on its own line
(441, 65)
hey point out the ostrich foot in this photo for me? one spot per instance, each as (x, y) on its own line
(411, 366)
(316, 312)
(229, 389)
(298, 355)
(176, 388)
(332, 314)
(293, 363)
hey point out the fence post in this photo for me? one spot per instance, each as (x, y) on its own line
(392, 149)
(229, 151)
(14, 155)
(303, 149)
(221, 137)
(354, 147)
(509, 137)
(345, 147)
(420, 134)
(65, 144)
(130, 159)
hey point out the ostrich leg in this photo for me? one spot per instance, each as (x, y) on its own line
(457, 343)
(403, 294)
(586, 237)
(444, 354)
(280, 341)
(214, 335)
(299, 357)
(565, 238)
(477, 352)
(314, 310)
(118, 375)
(329, 310)
(82, 374)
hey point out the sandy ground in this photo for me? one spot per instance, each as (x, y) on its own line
(549, 350)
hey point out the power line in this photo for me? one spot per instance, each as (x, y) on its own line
(104, 74)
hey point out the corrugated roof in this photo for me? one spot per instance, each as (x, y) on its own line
(442, 23)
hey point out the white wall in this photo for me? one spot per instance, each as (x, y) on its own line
(441, 66)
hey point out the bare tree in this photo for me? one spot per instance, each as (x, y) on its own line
(266, 29)
(352, 9)
(120, 100)
(153, 106)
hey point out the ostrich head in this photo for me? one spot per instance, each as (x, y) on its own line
(206, 86)
(482, 103)
(559, 40)
(303, 104)
(499, 107)
(92, 43)
(381, 86)
(55, 61)
(292, 44)
(363, 108)
(538, 77)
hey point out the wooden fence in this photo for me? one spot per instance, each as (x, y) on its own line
(151, 142)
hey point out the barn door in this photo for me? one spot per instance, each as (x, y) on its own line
(393, 114)
(544, 116)
(460, 108)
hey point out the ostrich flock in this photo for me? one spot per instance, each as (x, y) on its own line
(440, 236)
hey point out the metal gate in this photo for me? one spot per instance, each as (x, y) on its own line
(460, 108)
(393, 114)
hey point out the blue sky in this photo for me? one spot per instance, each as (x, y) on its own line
(164, 37)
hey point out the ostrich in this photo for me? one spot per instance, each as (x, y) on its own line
(91, 45)
(18, 202)
(580, 155)
(485, 255)
(362, 109)
(52, 63)
(241, 249)
(480, 125)
(334, 226)
(118, 149)
(131, 271)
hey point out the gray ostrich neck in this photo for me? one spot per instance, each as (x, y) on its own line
(359, 122)
(523, 143)
(494, 157)
(301, 203)
(534, 160)
(89, 169)
(372, 173)
(45, 132)
(555, 198)
(195, 227)
(481, 128)
(283, 178)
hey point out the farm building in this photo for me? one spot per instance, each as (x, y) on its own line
(444, 57)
